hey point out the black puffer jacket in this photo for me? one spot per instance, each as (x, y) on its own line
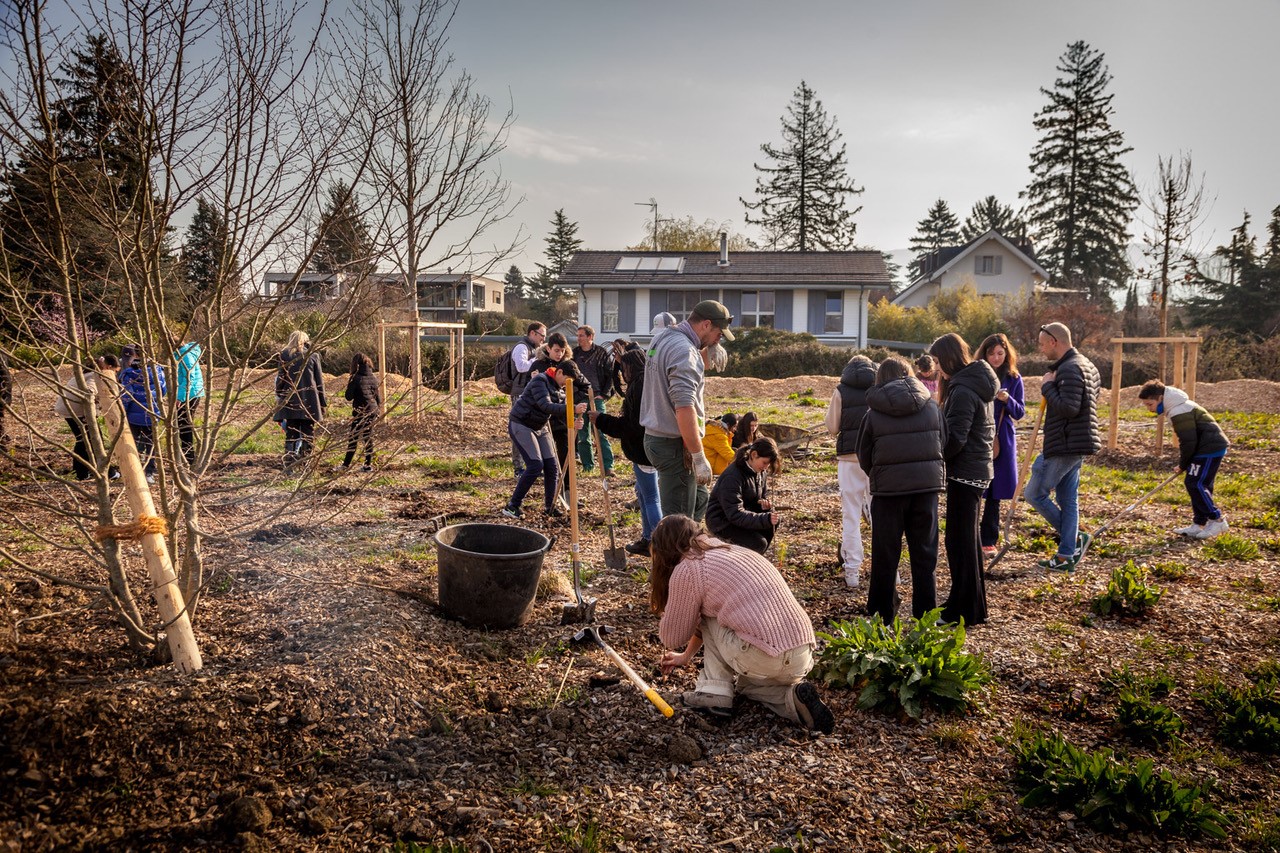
(902, 437)
(1071, 421)
(539, 400)
(971, 428)
(364, 392)
(855, 380)
(626, 425)
(735, 500)
(581, 392)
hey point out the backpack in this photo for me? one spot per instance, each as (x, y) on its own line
(504, 372)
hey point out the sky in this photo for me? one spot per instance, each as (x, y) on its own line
(619, 102)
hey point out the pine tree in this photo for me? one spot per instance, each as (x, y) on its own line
(208, 259)
(1247, 300)
(562, 242)
(990, 214)
(344, 245)
(1081, 197)
(514, 283)
(937, 230)
(802, 198)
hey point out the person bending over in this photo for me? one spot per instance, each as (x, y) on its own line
(740, 511)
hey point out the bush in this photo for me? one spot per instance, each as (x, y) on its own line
(1127, 592)
(1147, 721)
(1247, 717)
(766, 353)
(901, 665)
(1108, 793)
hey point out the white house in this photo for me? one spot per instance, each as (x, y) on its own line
(993, 264)
(826, 294)
(443, 297)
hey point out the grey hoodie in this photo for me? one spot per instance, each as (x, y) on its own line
(673, 379)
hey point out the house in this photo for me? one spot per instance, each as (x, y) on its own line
(824, 293)
(442, 297)
(993, 264)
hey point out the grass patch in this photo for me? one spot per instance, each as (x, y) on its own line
(470, 466)
(1229, 546)
(1170, 570)
(1145, 720)
(588, 837)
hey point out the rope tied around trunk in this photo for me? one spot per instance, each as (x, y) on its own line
(134, 530)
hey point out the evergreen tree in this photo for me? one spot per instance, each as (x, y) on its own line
(515, 284)
(344, 245)
(1247, 300)
(988, 214)
(937, 230)
(1081, 197)
(208, 259)
(562, 242)
(801, 200)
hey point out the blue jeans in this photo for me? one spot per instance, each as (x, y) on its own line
(1060, 475)
(650, 510)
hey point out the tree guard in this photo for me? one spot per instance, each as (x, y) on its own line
(1186, 360)
(456, 375)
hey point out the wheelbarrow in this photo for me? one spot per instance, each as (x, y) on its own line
(792, 441)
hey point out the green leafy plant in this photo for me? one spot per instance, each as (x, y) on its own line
(586, 837)
(1228, 546)
(1109, 793)
(1248, 716)
(1127, 592)
(1155, 684)
(1145, 720)
(903, 665)
(1170, 570)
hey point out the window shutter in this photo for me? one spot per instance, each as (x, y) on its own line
(657, 304)
(977, 264)
(627, 313)
(733, 301)
(999, 264)
(817, 311)
(782, 303)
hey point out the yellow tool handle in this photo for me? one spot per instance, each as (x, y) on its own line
(649, 692)
(658, 702)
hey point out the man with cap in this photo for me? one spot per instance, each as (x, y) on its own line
(1069, 391)
(672, 411)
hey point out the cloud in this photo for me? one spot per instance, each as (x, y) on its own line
(560, 148)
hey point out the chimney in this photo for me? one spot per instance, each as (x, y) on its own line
(724, 250)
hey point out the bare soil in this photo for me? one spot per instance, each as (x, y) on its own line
(340, 708)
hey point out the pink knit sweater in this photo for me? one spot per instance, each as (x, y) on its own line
(742, 590)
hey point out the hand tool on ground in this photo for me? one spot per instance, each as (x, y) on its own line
(1024, 473)
(614, 556)
(1122, 513)
(582, 609)
(589, 633)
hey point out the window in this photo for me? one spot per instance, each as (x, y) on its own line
(834, 323)
(477, 297)
(757, 309)
(987, 264)
(608, 310)
(681, 302)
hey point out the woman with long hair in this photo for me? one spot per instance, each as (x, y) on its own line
(300, 390)
(967, 389)
(365, 394)
(1010, 406)
(739, 510)
(746, 431)
(735, 605)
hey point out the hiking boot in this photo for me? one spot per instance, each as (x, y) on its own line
(1213, 528)
(366, 468)
(1058, 563)
(634, 504)
(710, 703)
(608, 473)
(1192, 530)
(640, 547)
(512, 512)
(814, 713)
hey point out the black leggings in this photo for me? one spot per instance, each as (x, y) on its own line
(967, 598)
(361, 428)
(299, 438)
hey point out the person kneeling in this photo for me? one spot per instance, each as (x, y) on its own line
(733, 603)
(739, 510)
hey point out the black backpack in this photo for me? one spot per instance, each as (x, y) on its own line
(504, 372)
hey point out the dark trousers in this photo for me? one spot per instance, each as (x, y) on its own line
(989, 528)
(144, 440)
(361, 428)
(967, 599)
(536, 451)
(299, 438)
(561, 439)
(892, 516)
(756, 540)
(81, 461)
(1201, 473)
(187, 429)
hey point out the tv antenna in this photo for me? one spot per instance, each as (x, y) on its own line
(652, 204)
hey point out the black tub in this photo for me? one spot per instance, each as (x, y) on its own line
(489, 573)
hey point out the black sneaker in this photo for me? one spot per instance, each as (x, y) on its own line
(640, 547)
(554, 511)
(814, 713)
(512, 512)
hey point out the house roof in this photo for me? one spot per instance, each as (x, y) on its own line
(700, 269)
(951, 256)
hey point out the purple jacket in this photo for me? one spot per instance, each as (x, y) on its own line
(1006, 464)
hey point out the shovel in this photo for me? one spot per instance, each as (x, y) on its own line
(1122, 513)
(1024, 475)
(591, 634)
(614, 556)
(582, 609)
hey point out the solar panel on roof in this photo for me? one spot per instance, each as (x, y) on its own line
(627, 264)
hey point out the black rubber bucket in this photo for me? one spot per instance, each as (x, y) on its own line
(489, 573)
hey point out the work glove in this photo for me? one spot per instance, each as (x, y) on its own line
(701, 468)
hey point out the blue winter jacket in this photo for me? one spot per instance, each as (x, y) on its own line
(138, 408)
(190, 376)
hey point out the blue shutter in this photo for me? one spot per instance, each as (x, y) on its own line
(627, 313)
(817, 311)
(733, 301)
(782, 303)
(709, 294)
(657, 304)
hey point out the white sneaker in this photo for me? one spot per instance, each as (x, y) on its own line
(1192, 530)
(851, 578)
(1213, 528)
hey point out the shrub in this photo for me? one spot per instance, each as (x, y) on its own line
(1247, 717)
(1108, 793)
(1147, 721)
(903, 665)
(1127, 592)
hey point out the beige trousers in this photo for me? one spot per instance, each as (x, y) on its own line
(728, 660)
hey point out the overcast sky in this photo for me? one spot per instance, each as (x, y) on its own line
(620, 102)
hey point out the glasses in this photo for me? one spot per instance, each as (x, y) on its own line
(1049, 333)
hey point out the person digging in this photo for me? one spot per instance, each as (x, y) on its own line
(734, 605)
